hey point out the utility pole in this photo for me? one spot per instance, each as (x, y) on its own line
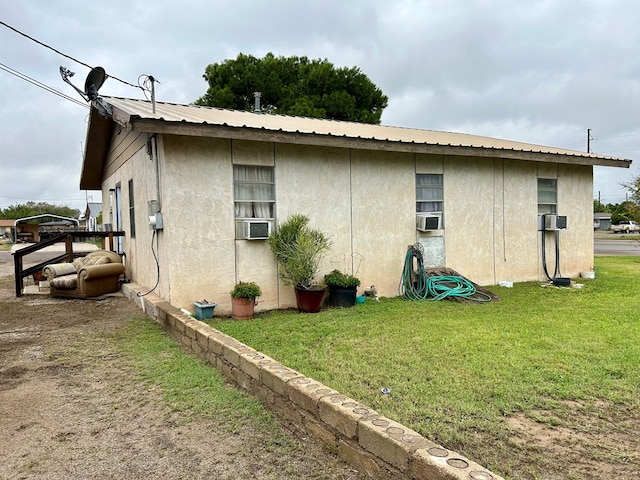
(588, 140)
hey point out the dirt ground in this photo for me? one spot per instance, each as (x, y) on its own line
(70, 407)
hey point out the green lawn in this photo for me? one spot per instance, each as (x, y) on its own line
(561, 358)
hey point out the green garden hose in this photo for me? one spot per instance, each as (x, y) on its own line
(418, 285)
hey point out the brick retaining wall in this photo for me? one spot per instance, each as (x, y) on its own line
(375, 445)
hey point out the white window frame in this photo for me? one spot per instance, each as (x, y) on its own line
(429, 193)
(254, 195)
(429, 197)
(547, 195)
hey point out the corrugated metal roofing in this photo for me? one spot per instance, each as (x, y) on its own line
(193, 114)
(94, 208)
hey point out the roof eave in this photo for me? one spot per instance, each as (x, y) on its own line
(97, 144)
(299, 138)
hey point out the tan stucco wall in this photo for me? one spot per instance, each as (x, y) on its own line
(198, 212)
(363, 200)
(383, 216)
(127, 160)
(575, 200)
(516, 250)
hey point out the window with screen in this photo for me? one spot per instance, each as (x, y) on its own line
(132, 213)
(254, 200)
(547, 195)
(429, 202)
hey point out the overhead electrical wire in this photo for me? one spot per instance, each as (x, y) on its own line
(35, 82)
(63, 54)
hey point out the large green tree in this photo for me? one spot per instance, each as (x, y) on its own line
(625, 211)
(633, 187)
(294, 86)
(31, 209)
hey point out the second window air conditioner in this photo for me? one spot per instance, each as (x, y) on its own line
(429, 221)
(256, 229)
(551, 221)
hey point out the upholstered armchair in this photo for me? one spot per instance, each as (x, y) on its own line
(95, 274)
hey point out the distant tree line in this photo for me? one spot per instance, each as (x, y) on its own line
(633, 187)
(31, 209)
(619, 211)
(629, 210)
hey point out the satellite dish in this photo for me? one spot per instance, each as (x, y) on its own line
(92, 84)
(94, 81)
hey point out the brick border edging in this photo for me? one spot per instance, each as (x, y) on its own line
(375, 445)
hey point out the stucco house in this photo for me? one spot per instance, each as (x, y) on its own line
(213, 182)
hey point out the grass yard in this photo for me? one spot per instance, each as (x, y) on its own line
(186, 383)
(542, 384)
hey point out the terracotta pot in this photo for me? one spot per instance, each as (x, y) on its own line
(242, 308)
(38, 277)
(309, 301)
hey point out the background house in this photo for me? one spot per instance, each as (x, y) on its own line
(220, 178)
(6, 228)
(88, 218)
(601, 221)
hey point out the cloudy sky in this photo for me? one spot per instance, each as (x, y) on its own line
(536, 71)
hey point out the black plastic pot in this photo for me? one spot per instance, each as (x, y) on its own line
(561, 281)
(341, 296)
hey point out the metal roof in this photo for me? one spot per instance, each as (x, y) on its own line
(130, 110)
(94, 208)
(194, 120)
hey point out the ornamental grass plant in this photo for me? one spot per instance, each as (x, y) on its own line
(298, 249)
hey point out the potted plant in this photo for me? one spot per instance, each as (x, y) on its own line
(299, 249)
(243, 300)
(342, 289)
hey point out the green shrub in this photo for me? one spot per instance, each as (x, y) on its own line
(246, 290)
(339, 279)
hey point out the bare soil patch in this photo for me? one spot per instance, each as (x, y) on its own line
(71, 407)
(598, 441)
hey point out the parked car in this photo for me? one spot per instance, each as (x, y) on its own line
(626, 226)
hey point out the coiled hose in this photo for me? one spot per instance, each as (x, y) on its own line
(418, 285)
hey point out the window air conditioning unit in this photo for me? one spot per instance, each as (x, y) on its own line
(256, 229)
(429, 221)
(555, 222)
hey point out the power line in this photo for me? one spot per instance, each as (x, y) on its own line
(63, 54)
(618, 136)
(35, 82)
(42, 199)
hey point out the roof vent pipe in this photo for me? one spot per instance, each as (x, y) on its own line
(153, 93)
(256, 96)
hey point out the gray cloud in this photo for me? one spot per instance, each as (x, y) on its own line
(541, 71)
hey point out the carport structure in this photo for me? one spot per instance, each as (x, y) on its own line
(28, 234)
